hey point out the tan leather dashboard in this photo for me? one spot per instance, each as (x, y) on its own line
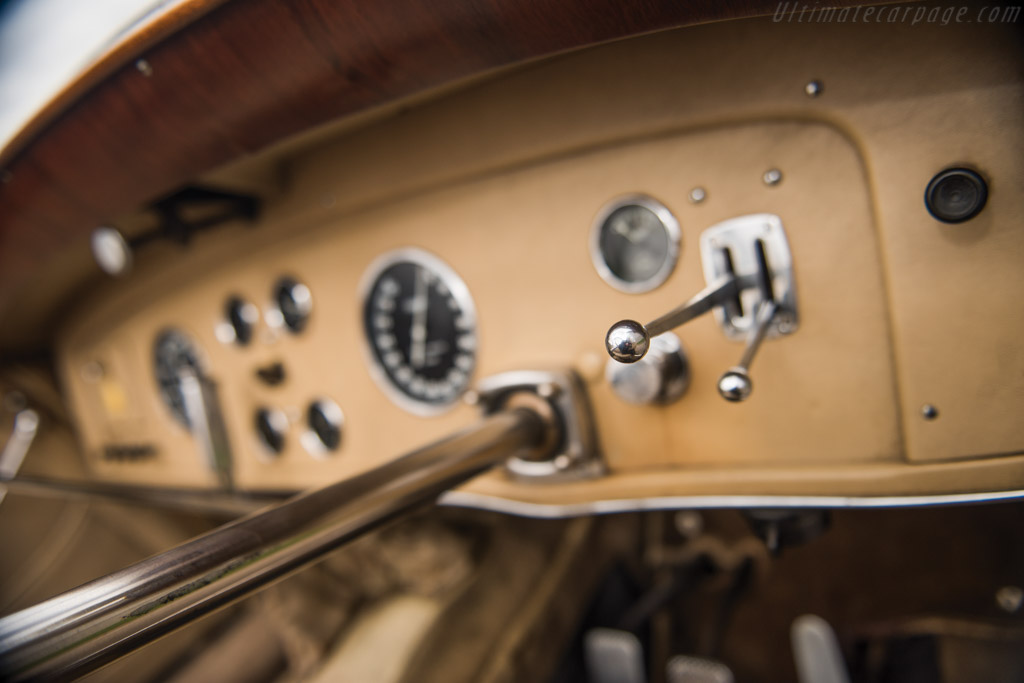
(502, 181)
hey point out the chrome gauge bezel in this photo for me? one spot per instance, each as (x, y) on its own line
(668, 222)
(458, 290)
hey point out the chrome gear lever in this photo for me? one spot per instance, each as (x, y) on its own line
(749, 268)
(628, 341)
(735, 384)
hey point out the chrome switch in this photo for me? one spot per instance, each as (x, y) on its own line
(660, 378)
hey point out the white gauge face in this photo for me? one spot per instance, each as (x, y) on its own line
(635, 243)
(420, 327)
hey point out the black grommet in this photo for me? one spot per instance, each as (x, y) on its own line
(956, 195)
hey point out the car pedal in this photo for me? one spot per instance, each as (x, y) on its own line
(613, 656)
(687, 669)
(816, 651)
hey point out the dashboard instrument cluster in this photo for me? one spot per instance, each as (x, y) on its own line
(490, 230)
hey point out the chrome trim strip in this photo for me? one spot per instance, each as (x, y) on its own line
(479, 501)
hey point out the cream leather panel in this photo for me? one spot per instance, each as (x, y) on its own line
(502, 181)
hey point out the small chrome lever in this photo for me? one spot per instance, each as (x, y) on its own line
(627, 341)
(735, 384)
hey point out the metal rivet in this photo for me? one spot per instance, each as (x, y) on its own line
(697, 195)
(814, 88)
(144, 67)
(929, 412)
(772, 177)
(1010, 598)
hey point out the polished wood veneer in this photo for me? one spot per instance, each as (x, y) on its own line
(227, 79)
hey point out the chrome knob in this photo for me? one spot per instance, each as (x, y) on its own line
(660, 377)
(627, 341)
(735, 384)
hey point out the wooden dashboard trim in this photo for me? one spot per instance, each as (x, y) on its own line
(228, 79)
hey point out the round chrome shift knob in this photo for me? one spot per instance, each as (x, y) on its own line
(735, 385)
(627, 341)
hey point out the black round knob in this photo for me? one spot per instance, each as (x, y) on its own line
(242, 316)
(294, 301)
(956, 195)
(325, 420)
(271, 426)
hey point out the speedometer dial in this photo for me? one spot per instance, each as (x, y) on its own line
(420, 325)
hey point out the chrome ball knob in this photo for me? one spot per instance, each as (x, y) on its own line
(735, 385)
(627, 341)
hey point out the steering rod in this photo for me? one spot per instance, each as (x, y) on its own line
(92, 625)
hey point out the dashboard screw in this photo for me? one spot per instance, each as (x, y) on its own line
(929, 412)
(144, 68)
(814, 88)
(697, 195)
(772, 177)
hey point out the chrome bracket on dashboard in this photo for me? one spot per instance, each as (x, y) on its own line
(202, 406)
(743, 247)
(561, 394)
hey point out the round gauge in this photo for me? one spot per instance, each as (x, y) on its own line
(634, 244)
(174, 352)
(420, 325)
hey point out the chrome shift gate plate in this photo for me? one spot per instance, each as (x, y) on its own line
(731, 249)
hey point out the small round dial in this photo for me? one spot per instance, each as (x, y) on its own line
(173, 353)
(420, 326)
(634, 244)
